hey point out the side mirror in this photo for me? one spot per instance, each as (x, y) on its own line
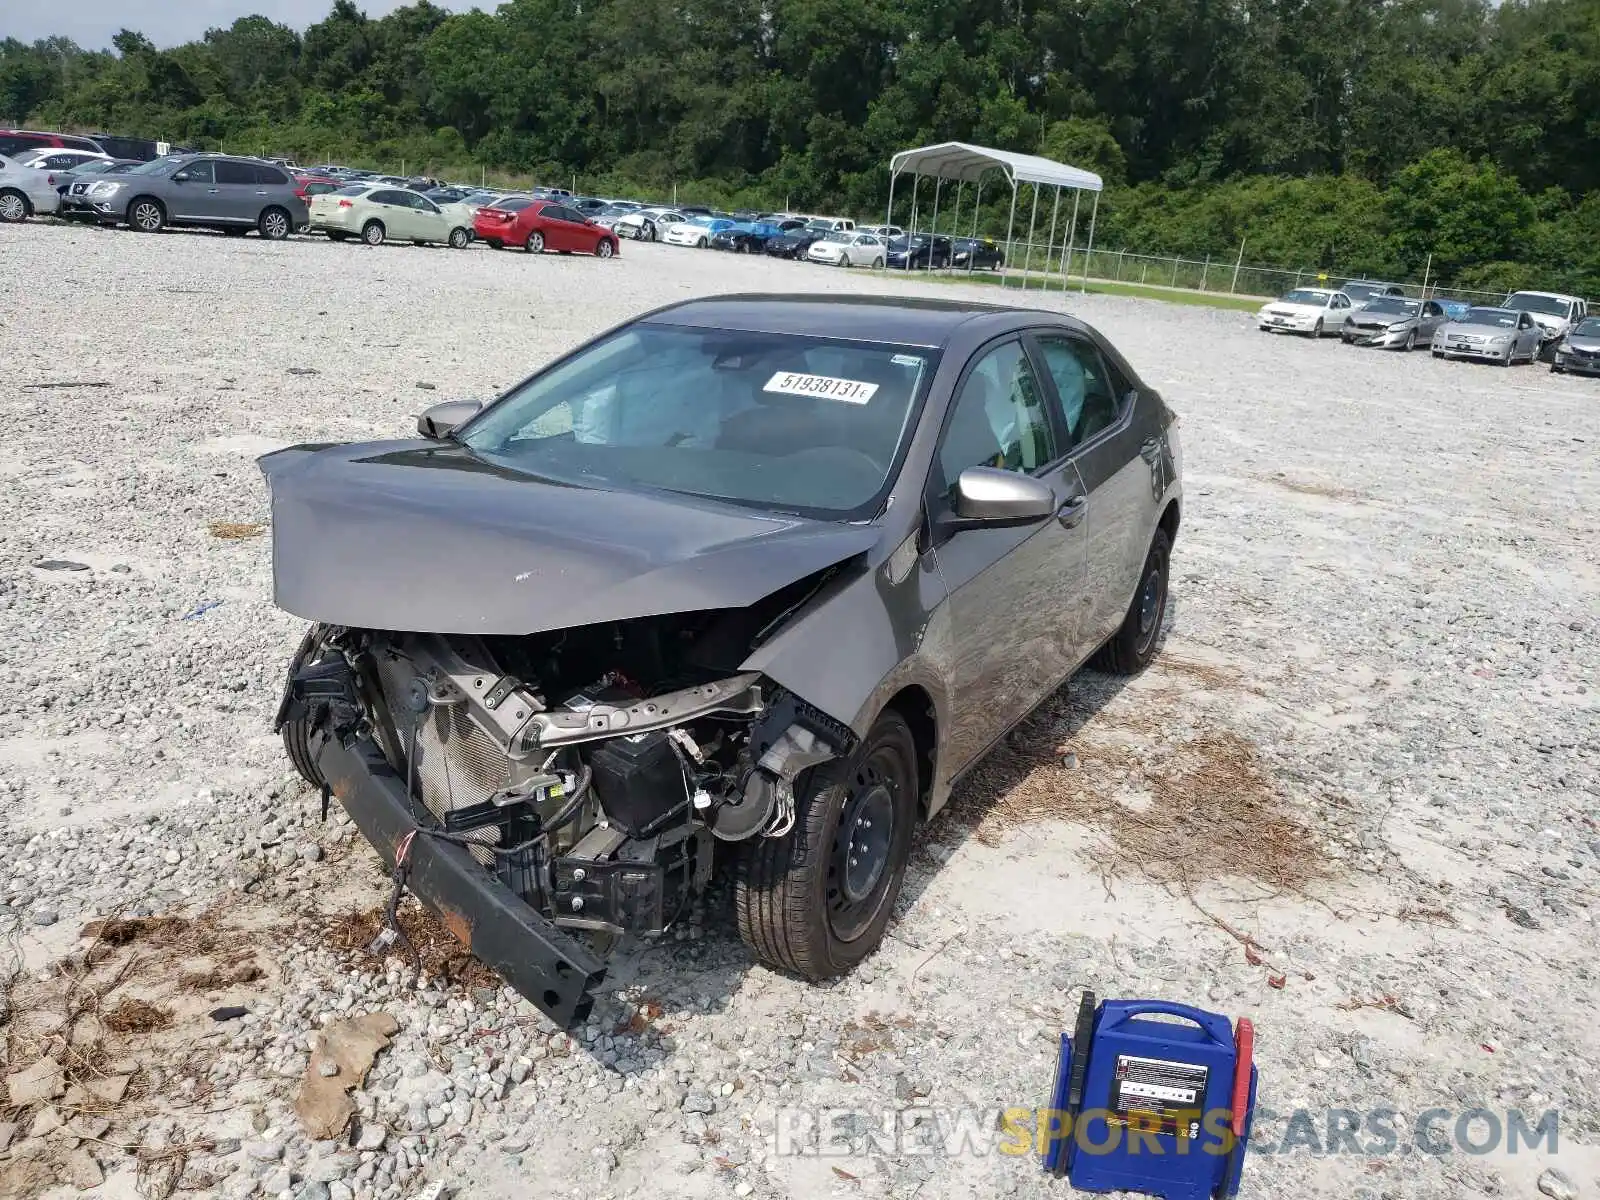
(989, 498)
(440, 421)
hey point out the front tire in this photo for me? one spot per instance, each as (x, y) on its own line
(147, 215)
(373, 233)
(297, 734)
(274, 225)
(1133, 647)
(604, 248)
(818, 900)
(1411, 341)
(459, 238)
(1316, 330)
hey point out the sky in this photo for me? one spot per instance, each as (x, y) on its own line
(92, 23)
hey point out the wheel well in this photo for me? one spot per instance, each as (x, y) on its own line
(156, 200)
(915, 706)
(1169, 523)
(371, 221)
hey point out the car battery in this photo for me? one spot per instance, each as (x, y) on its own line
(1157, 1106)
(639, 779)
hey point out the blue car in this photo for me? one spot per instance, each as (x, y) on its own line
(747, 237)
(696, 231)
(1454, 309)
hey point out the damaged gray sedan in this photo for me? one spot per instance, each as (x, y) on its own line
(750, 578)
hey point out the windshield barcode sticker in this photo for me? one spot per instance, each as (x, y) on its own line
(851, 391)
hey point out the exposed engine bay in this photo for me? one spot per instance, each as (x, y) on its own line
(589, 770)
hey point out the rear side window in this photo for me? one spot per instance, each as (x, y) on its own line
(320, 189)
(1084, 386)
(12, 144)
(235, 172)
(270, 176)
(390, 196)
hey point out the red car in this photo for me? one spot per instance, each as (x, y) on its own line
(307, 186)
(539, 225)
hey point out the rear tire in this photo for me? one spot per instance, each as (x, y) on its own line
(535, 243)
(494, 243)
(337, 237)
(877, 263)
(274, 224)
(373, 233)
(459, 238)
(14, 206)
(1133, 647)
(818, 900)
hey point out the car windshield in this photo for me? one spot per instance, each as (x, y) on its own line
(355, 189)
(156, 166)
(768, 420)
(514, 203)
(1588, 327)
(1393, 304)
(1357, 290)
(1305, 296)
(820, 226)
(1548, 305)
(839, 237)
(98, 167)
(1490, 316)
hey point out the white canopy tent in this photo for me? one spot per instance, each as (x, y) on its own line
(964, 164)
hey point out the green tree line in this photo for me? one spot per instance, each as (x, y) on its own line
(1348, 134)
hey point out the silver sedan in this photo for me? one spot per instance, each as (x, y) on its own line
(1394, 323)
(1498, 335)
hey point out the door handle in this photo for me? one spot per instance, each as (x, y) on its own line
(1071, 513)
(1150, 450)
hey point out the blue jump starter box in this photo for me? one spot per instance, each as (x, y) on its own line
(1161, 1107)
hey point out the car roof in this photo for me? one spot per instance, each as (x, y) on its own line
(905, 320)
(1495, 308)
(1545, 295)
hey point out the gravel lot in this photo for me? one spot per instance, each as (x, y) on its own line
(1356, 800)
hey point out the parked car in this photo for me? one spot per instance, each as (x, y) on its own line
(25, 192)
(1500, 335)
(1362, 290)
(691, 564)
(696, 231)
(541, 225)
(1454, 309)
(204, 190)
(608, 216)
(919, 252)
(1314, 311)
(75, 204)
(55, 158)
(795, 243)
(747, 237)
(1578, 351)
(846, 248)
(1551, 311)
(376, 214)
(647, 224)
(307, 186)
(137, 148)
(1393, 322)
(977, 253)
(14, 142)
(831, 224)
(884, 231)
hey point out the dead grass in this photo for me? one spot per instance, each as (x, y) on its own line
(235, 531)
(132, 1015)
(443, 957)
(1180, 812)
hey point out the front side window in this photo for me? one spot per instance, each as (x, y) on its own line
(998, 419)
(198, 172)
(775, 421)
(1084, 386)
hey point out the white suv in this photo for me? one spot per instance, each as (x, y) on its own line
(1554, 313)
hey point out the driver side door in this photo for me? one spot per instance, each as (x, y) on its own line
(1015, 595)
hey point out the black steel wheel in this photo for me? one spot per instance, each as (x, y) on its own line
(296, 734)
(1133, 647)
(818, 900)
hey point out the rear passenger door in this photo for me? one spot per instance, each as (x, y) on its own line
(236, 199)
(394, 210)
(1116, 445)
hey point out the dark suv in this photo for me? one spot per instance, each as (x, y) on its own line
(210, 190)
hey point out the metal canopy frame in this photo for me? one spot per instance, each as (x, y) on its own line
(964, 164)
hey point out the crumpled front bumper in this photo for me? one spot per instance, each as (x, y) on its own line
(556, 973)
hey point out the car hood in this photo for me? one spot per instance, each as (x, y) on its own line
(1288, 308)
(1474, 330)
(1549, 320)
(1362, 316)
(1585, 344)
(425, 537)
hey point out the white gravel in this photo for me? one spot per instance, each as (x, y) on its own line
(1386, 584)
